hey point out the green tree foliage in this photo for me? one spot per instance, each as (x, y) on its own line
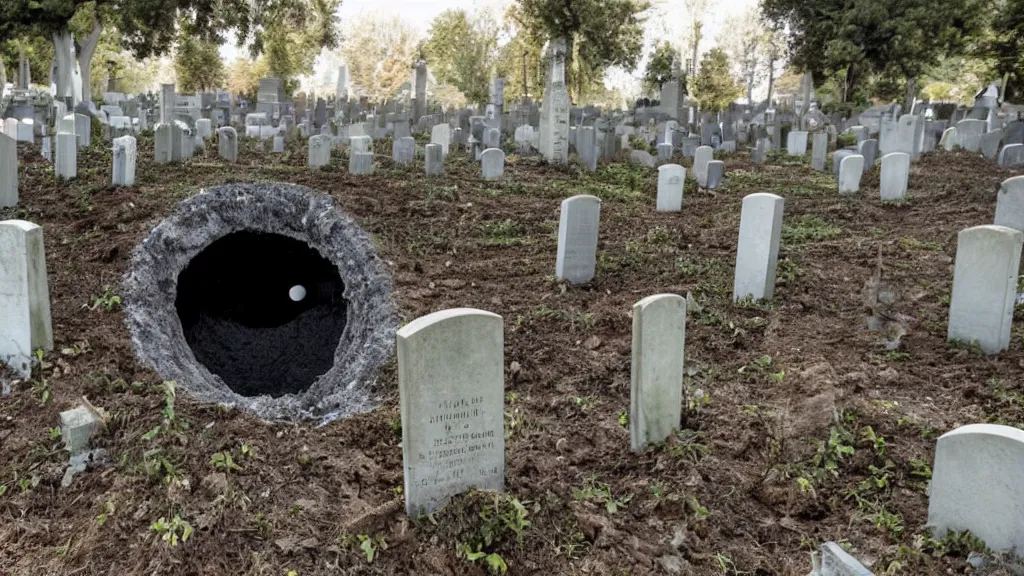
(598, 34)
(242, 76)
(521, 62)
(659, 68)
(462, 50)
(860, 38)
(198, 65)
(714, 85)
(38, 52)
(380, 53)
(1006, 47)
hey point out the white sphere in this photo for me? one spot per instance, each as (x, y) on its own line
(297, 293)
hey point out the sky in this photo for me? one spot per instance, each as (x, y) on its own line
(668, 20)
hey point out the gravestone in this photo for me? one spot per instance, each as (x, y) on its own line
(434, 160)
(894, 176)
(659, 338)
(869, 150)
(403, 150)
(83, 129)
(67, 156)
(66, 124)
(760, 153)
(837, 158)
(716, 169)
(278, 144)
(832, 560)
(888, 133)
(124, 161)
(949, 139)
(586, 147)
(1014, 132)
(757, 251)
(360, 145)
(909, 132)
(1011, 155)
(976, 485)
(402, 129)
(664, 151)
(492, 163)
(492, 138)
(451, 387)
(46, 149)
(851, 168)
(524, 138)
(642, 157)
(819, 151)
(227, 143)
(701, 158)
(577, 239)
(25, 129)
(671, 180)
(969, 132)
(689, 146)
(1010, 204)
(204, 128)
(360, 162)
(319, 151)
(989, 143)
(796, 143)
(984, 286)
(8, 171)
(24, 295)
(554, 119)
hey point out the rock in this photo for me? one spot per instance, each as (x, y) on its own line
(215, 483)
(888, 375)
(592, 343)
(674, 565)
(679, 538)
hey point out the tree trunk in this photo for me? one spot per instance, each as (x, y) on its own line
(62, 62)
(750, 89)
(88, 49)
(911, 95)
(697, 24)
(850, 81)
(771, 75)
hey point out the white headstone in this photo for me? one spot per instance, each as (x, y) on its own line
(124, 161)
(227, 144)
(24, 296)
(492, 163)
(67, 156)
(757, 251)
(360, 162)
(83, 129)
(204, 128)
(403, 150)
(976, 485)
(278, 144)
(25, 130)
(989, 143)
(894, 176)
(8, 171)
(851, 168)
(1012, 155)
(949, 139)
(796, 143)
(434, 159)
(46, 149)
(968, 134)
(985, 286)
(441, 134)
(163, 143)
(819, 151)
(659, 338)
(577, 239)
(360, 144)
(1010, 204)
(671, 180)
(701, 158)
(451, 386)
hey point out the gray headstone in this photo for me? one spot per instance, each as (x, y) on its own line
(492, 163)
(577, 239)
(989, 143)
(671, 182)
(451, 385)
(664, 151)
(586, 147)
(659, 338)
(894, 176)
(796, 143)
(985, 286)
(834, 561)
(1012, 155)
(757, 251)
(851, 168)
(434, 160)
(125, 153)
(716, 169)
(969, 132)
(278, 144)
(8, 171)
(760, 153)
(819, 151)
(403, 150)
(25, 307)
(492, 138)
(837, 158)
(869, 150)
(83, 129)
(441, 134)
(67, 156)
(949, 139)
(701, 158)
(975, 485)
(360, 162)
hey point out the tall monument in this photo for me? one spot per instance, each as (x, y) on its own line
(554, 113)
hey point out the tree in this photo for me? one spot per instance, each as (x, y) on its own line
(198, 65)
(243, 76)
(714, 85)
(520, 61)
(380, 52)
(463, 51)
(660, 68)
(1006, 47)
(746, 40)
(695, 10)
(598, 34)
(860, 38)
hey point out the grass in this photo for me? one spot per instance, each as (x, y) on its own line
(808, 228)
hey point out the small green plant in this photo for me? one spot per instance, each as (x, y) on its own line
(600, 493)
(171, 423)
(583, 402)
(172, 532)
(494, 562)
(808, 228)
(108, 510)
(41, 388)
(54, 433)
(370, 546)
(623, 418)
(897, 356)
(108, 300)
(224, 462)
(876, 441)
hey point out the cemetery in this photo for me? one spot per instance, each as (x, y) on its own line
(326, 333)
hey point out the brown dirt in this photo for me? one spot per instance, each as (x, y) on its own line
(725, 497)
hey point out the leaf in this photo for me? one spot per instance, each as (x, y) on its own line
(367, 547)
(496, 564)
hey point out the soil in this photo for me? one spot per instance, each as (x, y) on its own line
(801, 425)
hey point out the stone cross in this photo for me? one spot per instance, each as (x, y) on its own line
(451, 387)
(24, 296)
(671, 180)
(985, 286)
(659, 338)
(757, 251)
(578, 221)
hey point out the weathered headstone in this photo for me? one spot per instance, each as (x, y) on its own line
(24, 295)
(760, 153)
(360, 162)
(46, 149)
(1010, 203)
(8, 171)
(492, 138)
(1011, 155)
(949, 139)
(403, 150)
(204, 128)
(989, 143)
(1014, 132)
(869, 150)
(671, 181)
(434, 160)
(163, 143)
(586, 147)
(319, 151)
(278, 144)
(796, 143)
(716, 169)
(642, 157)
(441, 134)
(83, 129)
(701, 158)
(492, 163)
(124, 161)
(985, 286)
(577, 239)
(451, 386)
(851, 168)
(819, 151)
(227, 143)
(659, 338)
(757, 251)
(976, 485)
(664, 151)
(67, 156)
(969, 132)
(894, 176)
(25, 131)
(837, 158)
(834, 561)
(360, 145)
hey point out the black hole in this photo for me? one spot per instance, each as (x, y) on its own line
(242, 324)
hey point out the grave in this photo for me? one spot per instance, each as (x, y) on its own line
(124, 161)
(8, 171)
(976, 485)
(1010, 204)
(586, 147)
(949, 139)
(671, 180)
(278, 144)
(869, 150)
(659, 338)
(265, 296)
(837, 158)
(67, 156)
(989, 143)
(969, 132)
(796, 143)
(757, 251)
(451, 387)
(403, 150)
(1011, 155)
(578, 223)
(664, 151)
(24, 296)
(434, 160)
(360, 162)
(492, 163)
(984, 286)
(760, 153)
(227, 143)
(163, 142)
(894, 176)
(819, 151)
(701, 158)
(642, 157)
(716, 169)
(83, 130)
(851, 168)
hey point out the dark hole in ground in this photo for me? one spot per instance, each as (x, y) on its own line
(247, 320)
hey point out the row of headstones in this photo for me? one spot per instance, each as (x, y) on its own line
(974, 136)
(403, 151)
(849, 164)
